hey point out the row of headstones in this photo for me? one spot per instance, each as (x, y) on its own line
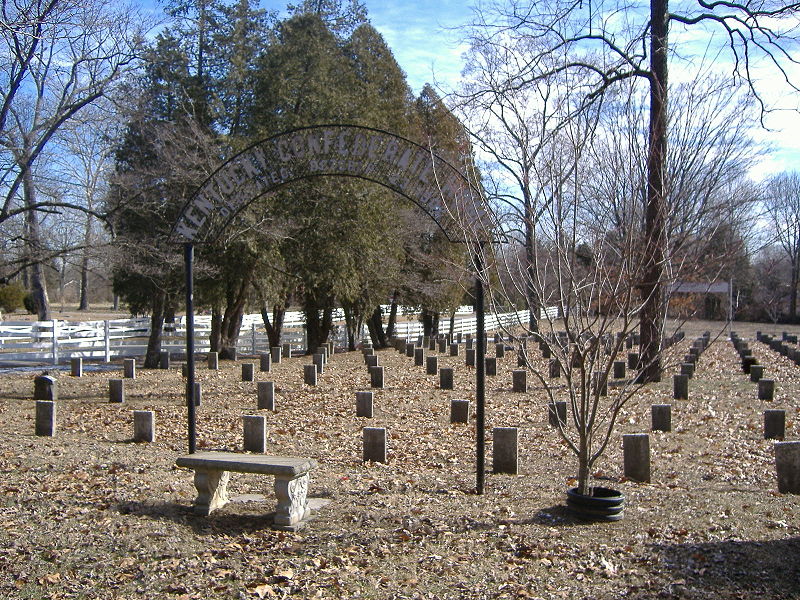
(792, 352)
(636, 447)
(774, 419)
(680, 381)
(750, 365)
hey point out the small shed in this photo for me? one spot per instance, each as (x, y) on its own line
(703, 299)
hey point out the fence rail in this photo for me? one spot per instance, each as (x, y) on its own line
(57, 341)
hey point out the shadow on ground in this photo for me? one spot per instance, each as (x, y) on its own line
(732, 569)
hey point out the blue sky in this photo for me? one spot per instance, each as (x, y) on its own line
(422, 37)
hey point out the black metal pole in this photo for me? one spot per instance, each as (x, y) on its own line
(188, 255)
(480, 376)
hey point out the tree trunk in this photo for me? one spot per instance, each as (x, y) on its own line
(83, 304)
(530, 267)
(392, 325)
(452, 323)
(153, 355)
(318, 326)
(273, 326)
(313, 335)
(652, 286)
(793, 289)
(351, 324)
(375, 325)
(430, 322)
(231, 325)
(34, 244)
(215, 337)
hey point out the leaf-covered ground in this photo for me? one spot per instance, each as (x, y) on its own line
(91, 514)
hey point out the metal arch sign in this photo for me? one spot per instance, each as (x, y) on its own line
(443, 192)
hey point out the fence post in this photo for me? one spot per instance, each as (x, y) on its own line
(107, 334)
(55, 341)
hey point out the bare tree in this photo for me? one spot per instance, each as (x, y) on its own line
(56, 59)
(578, 39)
(782, 208)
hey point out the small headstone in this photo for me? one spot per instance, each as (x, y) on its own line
(470, 344)
(554, 368)
(469, 357)
(116, 390)
(766, 389)
(787, 466)
(163, 359)
(431, 365)
(266, 395)
(748, 362)
(459, 411)
(310, 374)
(376, 377)
(371, 360)
(248, 372)
(375, 446)
(198, 393)
(255, 433)
(419, 357)
(774, 424)
(519, 379)
(213, 361)
(76, 367)
(491, 366)
(454, 349)
(633, 360)
(505, 450)
(619, 369)
(286, 350)
(442, 346)
(557, 411)
(687, 369)
(756, 373)
(319, 362)
(45, 387)
(275, 351)
(680, 387)
(499, 350)
(129, 368)
(364, 404)
(446, 378)
(546, 351)
(661, 417)
(636, 451)
(265, 361)
(45, 418)
(410, 350)
(144, 426)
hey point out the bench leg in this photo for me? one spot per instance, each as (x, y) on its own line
(212, 490)
(292, 501)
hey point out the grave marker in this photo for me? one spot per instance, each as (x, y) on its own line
(144, 428)
(505, 450)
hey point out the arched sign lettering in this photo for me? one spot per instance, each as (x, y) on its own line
(411, 170)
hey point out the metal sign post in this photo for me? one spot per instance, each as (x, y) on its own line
(480, 376)
(188, 255)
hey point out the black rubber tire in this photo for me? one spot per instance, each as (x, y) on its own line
(603, 505)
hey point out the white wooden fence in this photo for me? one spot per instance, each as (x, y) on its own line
(57, 341)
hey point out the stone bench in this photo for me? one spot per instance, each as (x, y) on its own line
(212, 471)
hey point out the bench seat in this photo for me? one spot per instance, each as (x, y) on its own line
(212, 471)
